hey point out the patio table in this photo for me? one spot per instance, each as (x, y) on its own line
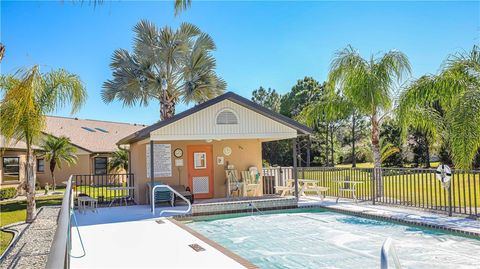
(311, 185)
(84, 201)
(122, 191)
(347, 186)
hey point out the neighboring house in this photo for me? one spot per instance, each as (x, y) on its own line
(12, 162)
(196, 146)
(95, 141)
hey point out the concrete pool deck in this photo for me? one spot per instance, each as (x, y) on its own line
(461, 225)
(131, 237)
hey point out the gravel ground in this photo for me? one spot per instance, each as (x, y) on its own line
(32, 247)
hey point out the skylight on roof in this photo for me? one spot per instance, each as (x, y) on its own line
(101, 130)
(88, 129)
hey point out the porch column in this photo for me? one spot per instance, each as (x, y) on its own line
(152, 173)
(295, 175)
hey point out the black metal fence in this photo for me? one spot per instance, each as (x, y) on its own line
(109, 189)
(411, 187)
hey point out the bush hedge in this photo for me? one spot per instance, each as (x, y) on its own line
(7, 193)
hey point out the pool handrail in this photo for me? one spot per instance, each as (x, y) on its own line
(388, 249)
(169, 210)
(59, 254)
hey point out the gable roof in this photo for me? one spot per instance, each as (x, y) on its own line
(145, 132)
(14, 145)
(90, 135)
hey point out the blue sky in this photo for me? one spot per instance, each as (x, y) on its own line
(270, 44)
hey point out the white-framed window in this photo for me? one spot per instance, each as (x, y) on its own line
(226, 117)
(41, 165)
(200, 160)
(100, 165)
(11, 168)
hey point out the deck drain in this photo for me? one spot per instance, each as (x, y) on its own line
(196, 247)
(159, 221)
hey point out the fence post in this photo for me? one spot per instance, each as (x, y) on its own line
(450, 199)
(373, 185)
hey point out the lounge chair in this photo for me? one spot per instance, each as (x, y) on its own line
(161, 194)
(289, 188)
(233, 184)
(251, 181)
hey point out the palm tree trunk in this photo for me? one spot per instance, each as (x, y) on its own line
(332, 150)
(30, 186)
(354, 159)
(167, 108)
(427, 152)
(53, 164)
(326, 147)
(377, 174)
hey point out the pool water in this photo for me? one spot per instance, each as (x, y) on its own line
(323, 239)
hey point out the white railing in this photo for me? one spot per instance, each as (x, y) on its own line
(169, 210)
(388, 249)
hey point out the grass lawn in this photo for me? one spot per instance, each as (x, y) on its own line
(15, 211)
(370, 165)
(421, 189)
(96, 192)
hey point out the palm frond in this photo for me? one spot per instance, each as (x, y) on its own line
(464, 128)
(181, 5)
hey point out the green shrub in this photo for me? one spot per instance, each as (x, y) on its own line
(7, 193)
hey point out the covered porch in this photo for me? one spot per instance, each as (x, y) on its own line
(212, 151)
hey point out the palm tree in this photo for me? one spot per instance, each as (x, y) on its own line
(181, 5)
(165, 65)
(447, 106)
(2, 51)
(28, 96)
(368, 85)
(57, 151)
(329, 109)
(119, 160)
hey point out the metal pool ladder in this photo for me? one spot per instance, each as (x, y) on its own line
(388, 249)
(169, 210)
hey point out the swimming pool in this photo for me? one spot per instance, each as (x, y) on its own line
(324, 239)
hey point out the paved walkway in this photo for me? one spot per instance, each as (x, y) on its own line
(407, 215)
(132, 237)
(33, 246)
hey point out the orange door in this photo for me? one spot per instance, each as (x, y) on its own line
(200, 170)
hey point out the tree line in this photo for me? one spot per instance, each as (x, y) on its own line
(371, 110)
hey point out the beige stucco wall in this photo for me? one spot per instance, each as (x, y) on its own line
(245, 153)
(10, 153)
(84, 166)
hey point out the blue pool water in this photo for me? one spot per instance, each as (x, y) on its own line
(322, 239)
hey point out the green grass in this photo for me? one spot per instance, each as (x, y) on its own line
(95, 192)
(5, 239)
(359, 165)
(420, 189)
(15, 211)
(370, 165)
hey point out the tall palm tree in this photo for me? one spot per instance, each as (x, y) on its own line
(447, 106)
(29, 96)
(368, 84)
(181, 5)
(119, 160)
(2, 51)
(165, 65)
(58, 151)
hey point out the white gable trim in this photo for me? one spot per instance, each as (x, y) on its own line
(202, 125)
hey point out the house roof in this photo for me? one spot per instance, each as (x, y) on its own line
(19, 145)
(90, 135)
(145, 132)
